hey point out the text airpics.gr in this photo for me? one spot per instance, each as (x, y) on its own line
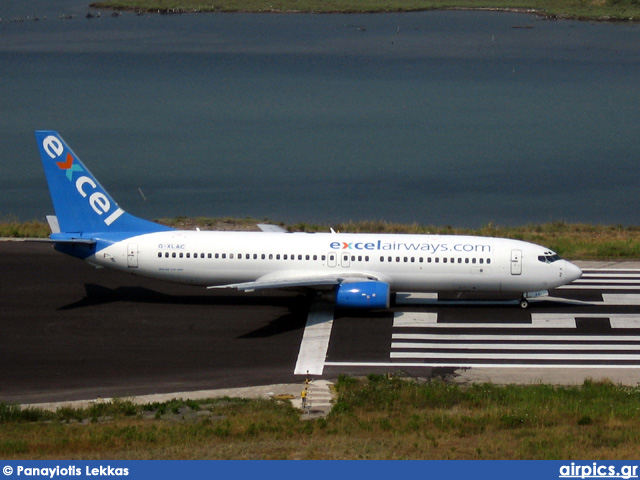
(596, 470)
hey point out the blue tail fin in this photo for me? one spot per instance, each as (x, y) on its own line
(82, 205)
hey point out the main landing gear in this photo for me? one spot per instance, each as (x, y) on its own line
(524, 303)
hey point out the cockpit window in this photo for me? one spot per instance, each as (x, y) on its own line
(549, 257)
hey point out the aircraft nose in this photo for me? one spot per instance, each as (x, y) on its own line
(572, 272)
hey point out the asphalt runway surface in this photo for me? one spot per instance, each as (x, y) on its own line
(70, 331)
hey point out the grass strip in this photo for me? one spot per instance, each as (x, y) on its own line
(609, 10)
(378, 417)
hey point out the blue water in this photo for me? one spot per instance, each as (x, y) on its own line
(436, 117)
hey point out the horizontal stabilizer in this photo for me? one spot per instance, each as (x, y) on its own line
(52, 220)
(267, 227)
(64, 240)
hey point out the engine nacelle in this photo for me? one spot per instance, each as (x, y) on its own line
(369, 295)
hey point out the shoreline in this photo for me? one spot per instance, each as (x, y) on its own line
(612, 17)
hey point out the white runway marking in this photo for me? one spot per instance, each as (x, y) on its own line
(315, 340)
(515, 356)
(478, 346)
(430, 320)
(513, 346)
(507, 338)
(621, 298)
(468, 365)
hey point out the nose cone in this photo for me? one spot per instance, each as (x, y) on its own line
(571, 272)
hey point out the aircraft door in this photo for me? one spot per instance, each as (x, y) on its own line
(132, 255)
(332, 259)
(516, 262)
(345, 260)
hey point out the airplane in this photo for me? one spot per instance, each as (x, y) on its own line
(356, 271)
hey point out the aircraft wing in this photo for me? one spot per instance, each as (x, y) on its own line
(284, 280)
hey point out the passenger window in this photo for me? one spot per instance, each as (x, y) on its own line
(181, 254)
(208, 255)
(159, 254)
(444, 260)
(271, 256)
(173, 254)
(166, 255)
(488, 260)
(278, 256)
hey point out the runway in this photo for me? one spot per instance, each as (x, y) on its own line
(70, 331)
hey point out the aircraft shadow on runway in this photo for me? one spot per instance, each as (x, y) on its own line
(298, 305)
(98, 295)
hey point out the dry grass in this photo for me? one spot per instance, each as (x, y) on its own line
(594, 9)
(375, 418)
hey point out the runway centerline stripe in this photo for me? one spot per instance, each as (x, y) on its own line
(315, 340)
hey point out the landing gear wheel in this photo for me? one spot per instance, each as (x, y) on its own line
(524, 303)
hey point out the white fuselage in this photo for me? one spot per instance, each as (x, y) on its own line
(417, 263)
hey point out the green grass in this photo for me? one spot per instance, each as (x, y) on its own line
(580, 9)
(11, 228)
(378, 417)
(573, 241)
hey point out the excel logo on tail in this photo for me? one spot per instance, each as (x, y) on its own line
(85, 185)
